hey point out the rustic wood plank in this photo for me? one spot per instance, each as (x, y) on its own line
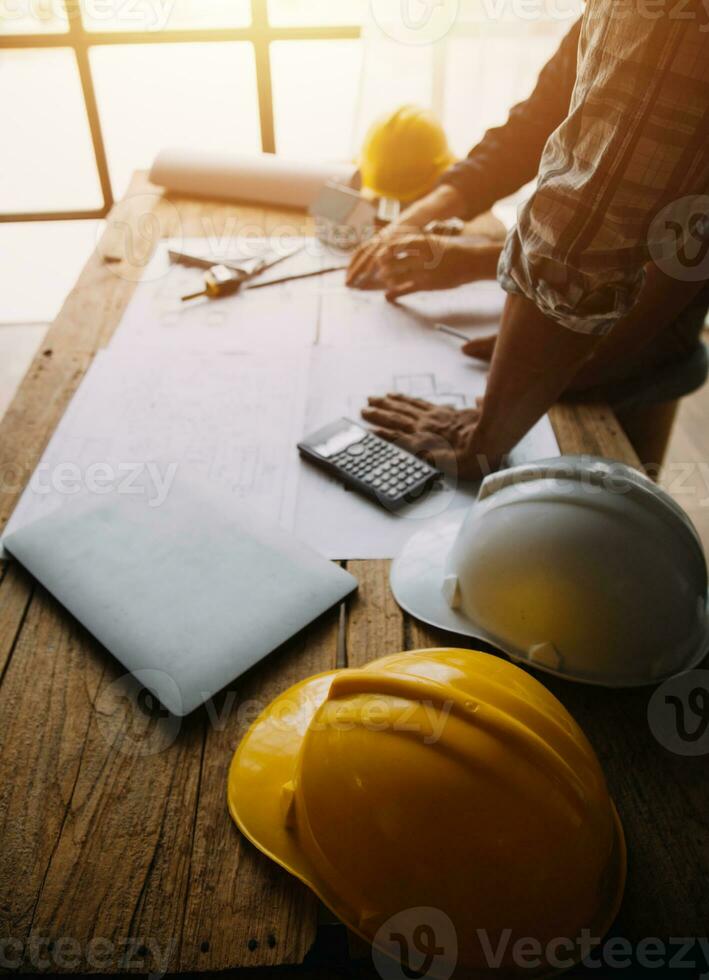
(42, 739)
(375, 624)
(242, 909)
(591, 429)
(15, 592)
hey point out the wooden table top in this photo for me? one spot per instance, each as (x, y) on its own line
(116, 841)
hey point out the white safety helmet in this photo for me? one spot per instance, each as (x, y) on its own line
(578, 566)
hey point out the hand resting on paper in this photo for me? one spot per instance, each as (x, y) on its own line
(422, 263)
(414, 262)
(444, 436)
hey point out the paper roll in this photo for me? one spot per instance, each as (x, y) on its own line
(235, 177)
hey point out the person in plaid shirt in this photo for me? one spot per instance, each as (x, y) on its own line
(607, 270)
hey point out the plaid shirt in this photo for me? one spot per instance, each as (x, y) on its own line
(635, 141)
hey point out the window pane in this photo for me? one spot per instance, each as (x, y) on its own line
(36, 17)
(57, 249)
(285, 13)
(315, 86)
(481, 65)
(158, 15)
(47, 161)
(156, 95)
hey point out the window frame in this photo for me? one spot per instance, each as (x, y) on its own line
(260, 33)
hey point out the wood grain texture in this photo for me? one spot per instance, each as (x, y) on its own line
(242, 909)
(375, 624)
(15, 593)
(591, 430)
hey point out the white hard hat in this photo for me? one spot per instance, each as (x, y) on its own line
(579, 566)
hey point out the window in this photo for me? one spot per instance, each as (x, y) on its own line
(106, 83)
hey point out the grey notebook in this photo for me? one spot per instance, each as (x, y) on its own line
(189, 594)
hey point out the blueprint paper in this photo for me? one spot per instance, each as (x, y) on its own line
(282, 317)
(226, 389)
(343, 524)
(298, 314)
(232, 420)
(363, 317)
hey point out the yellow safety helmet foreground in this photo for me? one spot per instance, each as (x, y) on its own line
(443, 793)
(404, 154)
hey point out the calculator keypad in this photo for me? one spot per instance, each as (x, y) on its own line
(388, 471)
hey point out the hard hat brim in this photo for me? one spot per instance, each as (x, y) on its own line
(417, 577)
(265, 764)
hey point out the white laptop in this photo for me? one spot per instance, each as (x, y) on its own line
(188, 594)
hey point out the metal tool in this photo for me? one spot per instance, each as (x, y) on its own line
(297, 275)
(219, 281)
(227, 278)
(451, 331)
(250, 266)
(223, 281)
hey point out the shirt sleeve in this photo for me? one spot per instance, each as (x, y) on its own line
(508, 156)
(634, 143)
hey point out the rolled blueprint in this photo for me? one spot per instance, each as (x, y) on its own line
(240, 177)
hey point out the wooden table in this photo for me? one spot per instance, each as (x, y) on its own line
(125, 857)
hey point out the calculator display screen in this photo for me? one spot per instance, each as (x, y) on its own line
(335, 443)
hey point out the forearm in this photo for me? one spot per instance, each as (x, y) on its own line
(535, 360)
(443, 202)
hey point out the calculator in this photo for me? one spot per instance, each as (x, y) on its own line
(369, 464)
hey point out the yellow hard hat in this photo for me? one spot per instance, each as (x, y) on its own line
(404, 154)
(440, 784)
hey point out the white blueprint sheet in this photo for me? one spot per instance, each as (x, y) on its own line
(342, 524)
(231, 419)
(280, 317)
(294, 314)
(198, 388)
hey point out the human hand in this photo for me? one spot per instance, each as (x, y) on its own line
(362, 271)
(443, 202)
(481, 348)
(442, 434)
(420, 263)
